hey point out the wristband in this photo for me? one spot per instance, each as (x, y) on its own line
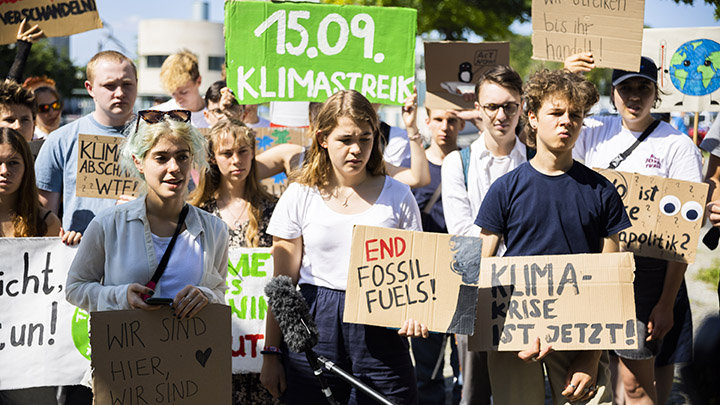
(274, 350)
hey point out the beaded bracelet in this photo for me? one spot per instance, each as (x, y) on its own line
(271, 350)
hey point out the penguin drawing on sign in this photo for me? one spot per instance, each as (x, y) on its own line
(465, 74)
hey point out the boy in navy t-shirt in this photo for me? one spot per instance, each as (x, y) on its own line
(552, 205)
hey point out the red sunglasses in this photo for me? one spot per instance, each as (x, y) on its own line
(55, 105)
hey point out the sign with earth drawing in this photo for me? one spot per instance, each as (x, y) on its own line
(689, 64)
(307, 52)
(42, 336)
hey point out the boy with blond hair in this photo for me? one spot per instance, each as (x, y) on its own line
(180, 76)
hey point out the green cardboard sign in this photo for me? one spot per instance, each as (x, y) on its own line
(307, 51)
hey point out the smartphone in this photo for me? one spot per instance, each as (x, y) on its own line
(158, 301)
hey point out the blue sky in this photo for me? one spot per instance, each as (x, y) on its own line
(123, 17)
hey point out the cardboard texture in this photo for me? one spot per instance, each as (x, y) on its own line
(98, 169)
(152, 357)
(611, 29)
(57, 18)
(269, 137)
(572, 302)
(689, 63)
(307, 51)
(41, 334)
(249, 269)
(666, 215)
(452, 68)
(395, 275)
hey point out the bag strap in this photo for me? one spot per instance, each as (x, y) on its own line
(619, 158)
(433, 199)
(166, 256)
(465, 160)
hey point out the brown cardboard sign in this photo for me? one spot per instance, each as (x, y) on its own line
(666, 215)
(151, 357)
(57, 18)
(396, 275)
(611, 29)
(572, 302)
(452, 68)
(269, 137)
(99, 173)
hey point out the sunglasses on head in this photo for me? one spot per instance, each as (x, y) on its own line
(55, 105)
(155, 116)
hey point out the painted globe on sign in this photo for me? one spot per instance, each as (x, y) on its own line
(694, 67)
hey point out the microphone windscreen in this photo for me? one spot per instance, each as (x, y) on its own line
(291, 312)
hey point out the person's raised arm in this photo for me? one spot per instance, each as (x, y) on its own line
(287, 257)
(25, 38)
(277, 159)
(580, 62)
(419, 173)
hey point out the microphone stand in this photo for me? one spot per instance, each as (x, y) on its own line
(312, 359)
(350, 379)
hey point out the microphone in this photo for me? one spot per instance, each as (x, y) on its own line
(301, 335)
(292, 314)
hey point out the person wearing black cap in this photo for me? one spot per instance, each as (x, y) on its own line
(661, 302)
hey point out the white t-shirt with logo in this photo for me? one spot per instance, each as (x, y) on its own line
(667, 152)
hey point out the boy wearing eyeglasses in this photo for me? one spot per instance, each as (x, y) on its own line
(581, 213)
(112, 84)
(466, 178)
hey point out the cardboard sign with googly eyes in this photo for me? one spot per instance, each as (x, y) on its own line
(666, 215)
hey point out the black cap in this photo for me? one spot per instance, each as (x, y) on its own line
(648, 70)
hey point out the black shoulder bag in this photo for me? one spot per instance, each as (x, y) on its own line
(166, 256)
(619, 158)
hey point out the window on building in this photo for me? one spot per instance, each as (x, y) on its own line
(155, 61)
(216, 62)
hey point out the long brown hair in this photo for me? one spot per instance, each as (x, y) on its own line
(345, 103)
(26, 221)
(254, 193)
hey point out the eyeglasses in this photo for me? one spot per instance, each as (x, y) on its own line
(510, 109)
(55, 105)
(155, 116)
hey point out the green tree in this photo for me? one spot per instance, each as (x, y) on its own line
(715, 3)
(457, 19)
(44, 59)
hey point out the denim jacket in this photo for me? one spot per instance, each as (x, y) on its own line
(117, 250)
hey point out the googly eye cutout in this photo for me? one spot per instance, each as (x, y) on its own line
(670, 205)
(692, 211)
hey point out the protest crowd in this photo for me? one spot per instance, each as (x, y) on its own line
(525, 187)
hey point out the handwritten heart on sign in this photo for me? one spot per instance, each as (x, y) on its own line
(202, 357)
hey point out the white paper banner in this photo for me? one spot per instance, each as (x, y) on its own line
(43, 339)
(248, 272)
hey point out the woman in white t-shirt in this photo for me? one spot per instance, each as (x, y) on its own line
(342, 183)
(661, 302)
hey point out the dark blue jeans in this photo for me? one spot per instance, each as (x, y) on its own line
(431, 391)
(375, 355)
